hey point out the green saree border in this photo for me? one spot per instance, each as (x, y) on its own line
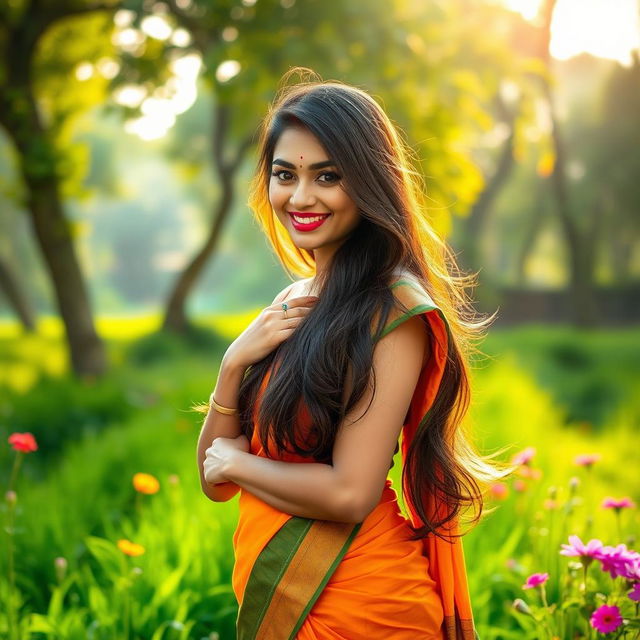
(265, 574)
(324, 581)
(270, 567)
(428, 305)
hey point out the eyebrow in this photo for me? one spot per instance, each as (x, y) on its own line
(315, 165)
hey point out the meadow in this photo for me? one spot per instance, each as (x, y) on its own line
(107, 535)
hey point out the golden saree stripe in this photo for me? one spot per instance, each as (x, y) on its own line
(459, 629)
(312, 561)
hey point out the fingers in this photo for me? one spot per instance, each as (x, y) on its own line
(300, 301)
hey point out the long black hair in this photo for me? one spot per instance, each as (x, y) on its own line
(333, 348)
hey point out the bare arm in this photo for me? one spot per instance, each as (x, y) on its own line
(349, 489)
(219, 425)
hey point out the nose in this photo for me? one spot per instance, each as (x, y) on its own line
(302, 195)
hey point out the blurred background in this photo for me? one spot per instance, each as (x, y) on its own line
(129, 260)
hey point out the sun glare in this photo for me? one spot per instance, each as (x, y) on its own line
(603, 28)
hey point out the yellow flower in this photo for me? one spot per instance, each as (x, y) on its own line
(145, 483)
(130, 548)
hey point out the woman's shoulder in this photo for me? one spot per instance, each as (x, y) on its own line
(410, 292)
(294, 289)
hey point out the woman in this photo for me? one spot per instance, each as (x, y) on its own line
(312, 397)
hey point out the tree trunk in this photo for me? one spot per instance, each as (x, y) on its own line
(580, 265)
(175, 319)
(472, 233)
(36, 161)
(533, 229)
(15, 296)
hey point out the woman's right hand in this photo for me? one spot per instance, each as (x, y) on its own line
(268, 330)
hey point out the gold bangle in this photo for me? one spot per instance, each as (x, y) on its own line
(220, 409)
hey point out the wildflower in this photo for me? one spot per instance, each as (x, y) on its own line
(535, 580)
(631, 566)
(550, 504)
(577, 548)
(524, 457)
(24, 442)
(621, 503)
(574, 483)
(586, 552)
(499, 490)
(11, 497)
(130, 548)
(174, 479)
(528, 472)
(606, 618)
(614, 560)
(634, 594)
(587, 459)
(145, 483)
(519, 485)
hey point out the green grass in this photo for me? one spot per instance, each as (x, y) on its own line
(75, 497)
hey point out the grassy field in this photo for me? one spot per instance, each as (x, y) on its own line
(557, 393)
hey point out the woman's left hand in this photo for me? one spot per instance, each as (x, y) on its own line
(218, 456)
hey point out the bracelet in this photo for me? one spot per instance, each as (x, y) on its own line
(220, 409)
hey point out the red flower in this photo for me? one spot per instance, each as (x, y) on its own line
(24, 442)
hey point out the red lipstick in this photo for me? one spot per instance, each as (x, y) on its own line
(314, 223)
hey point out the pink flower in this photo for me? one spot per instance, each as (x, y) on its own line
(621, 503)
(577, 548)
(499, 490)
(535, 580)
(526, 471)
(587, 459)
(524, 457)
(550, 504)
(631, 567)
(620, 562)
(519, 485)
(24, 442)
(606, 618)
(634, 594)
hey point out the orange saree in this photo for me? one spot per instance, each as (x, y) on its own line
(297, 578)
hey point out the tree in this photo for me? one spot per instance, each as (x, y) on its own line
(37, 108)
(401, 52)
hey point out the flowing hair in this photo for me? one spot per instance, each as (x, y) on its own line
(335, 343)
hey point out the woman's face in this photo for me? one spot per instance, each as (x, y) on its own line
(307, 195)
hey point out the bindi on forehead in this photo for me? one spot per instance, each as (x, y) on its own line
(316, 165)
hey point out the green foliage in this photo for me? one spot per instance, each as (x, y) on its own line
(587, 372)
(163, 346)
(180, 586)
(57, 410)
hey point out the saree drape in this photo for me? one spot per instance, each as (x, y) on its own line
(319, 580)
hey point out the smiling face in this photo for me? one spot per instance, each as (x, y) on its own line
(307, 195)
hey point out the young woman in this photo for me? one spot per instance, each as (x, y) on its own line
(313, 396)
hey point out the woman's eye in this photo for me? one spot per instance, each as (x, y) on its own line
(278, 174)
(333, 176)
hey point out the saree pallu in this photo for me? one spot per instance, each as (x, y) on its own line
(305, 579)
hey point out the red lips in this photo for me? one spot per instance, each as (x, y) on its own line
(306, 215)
